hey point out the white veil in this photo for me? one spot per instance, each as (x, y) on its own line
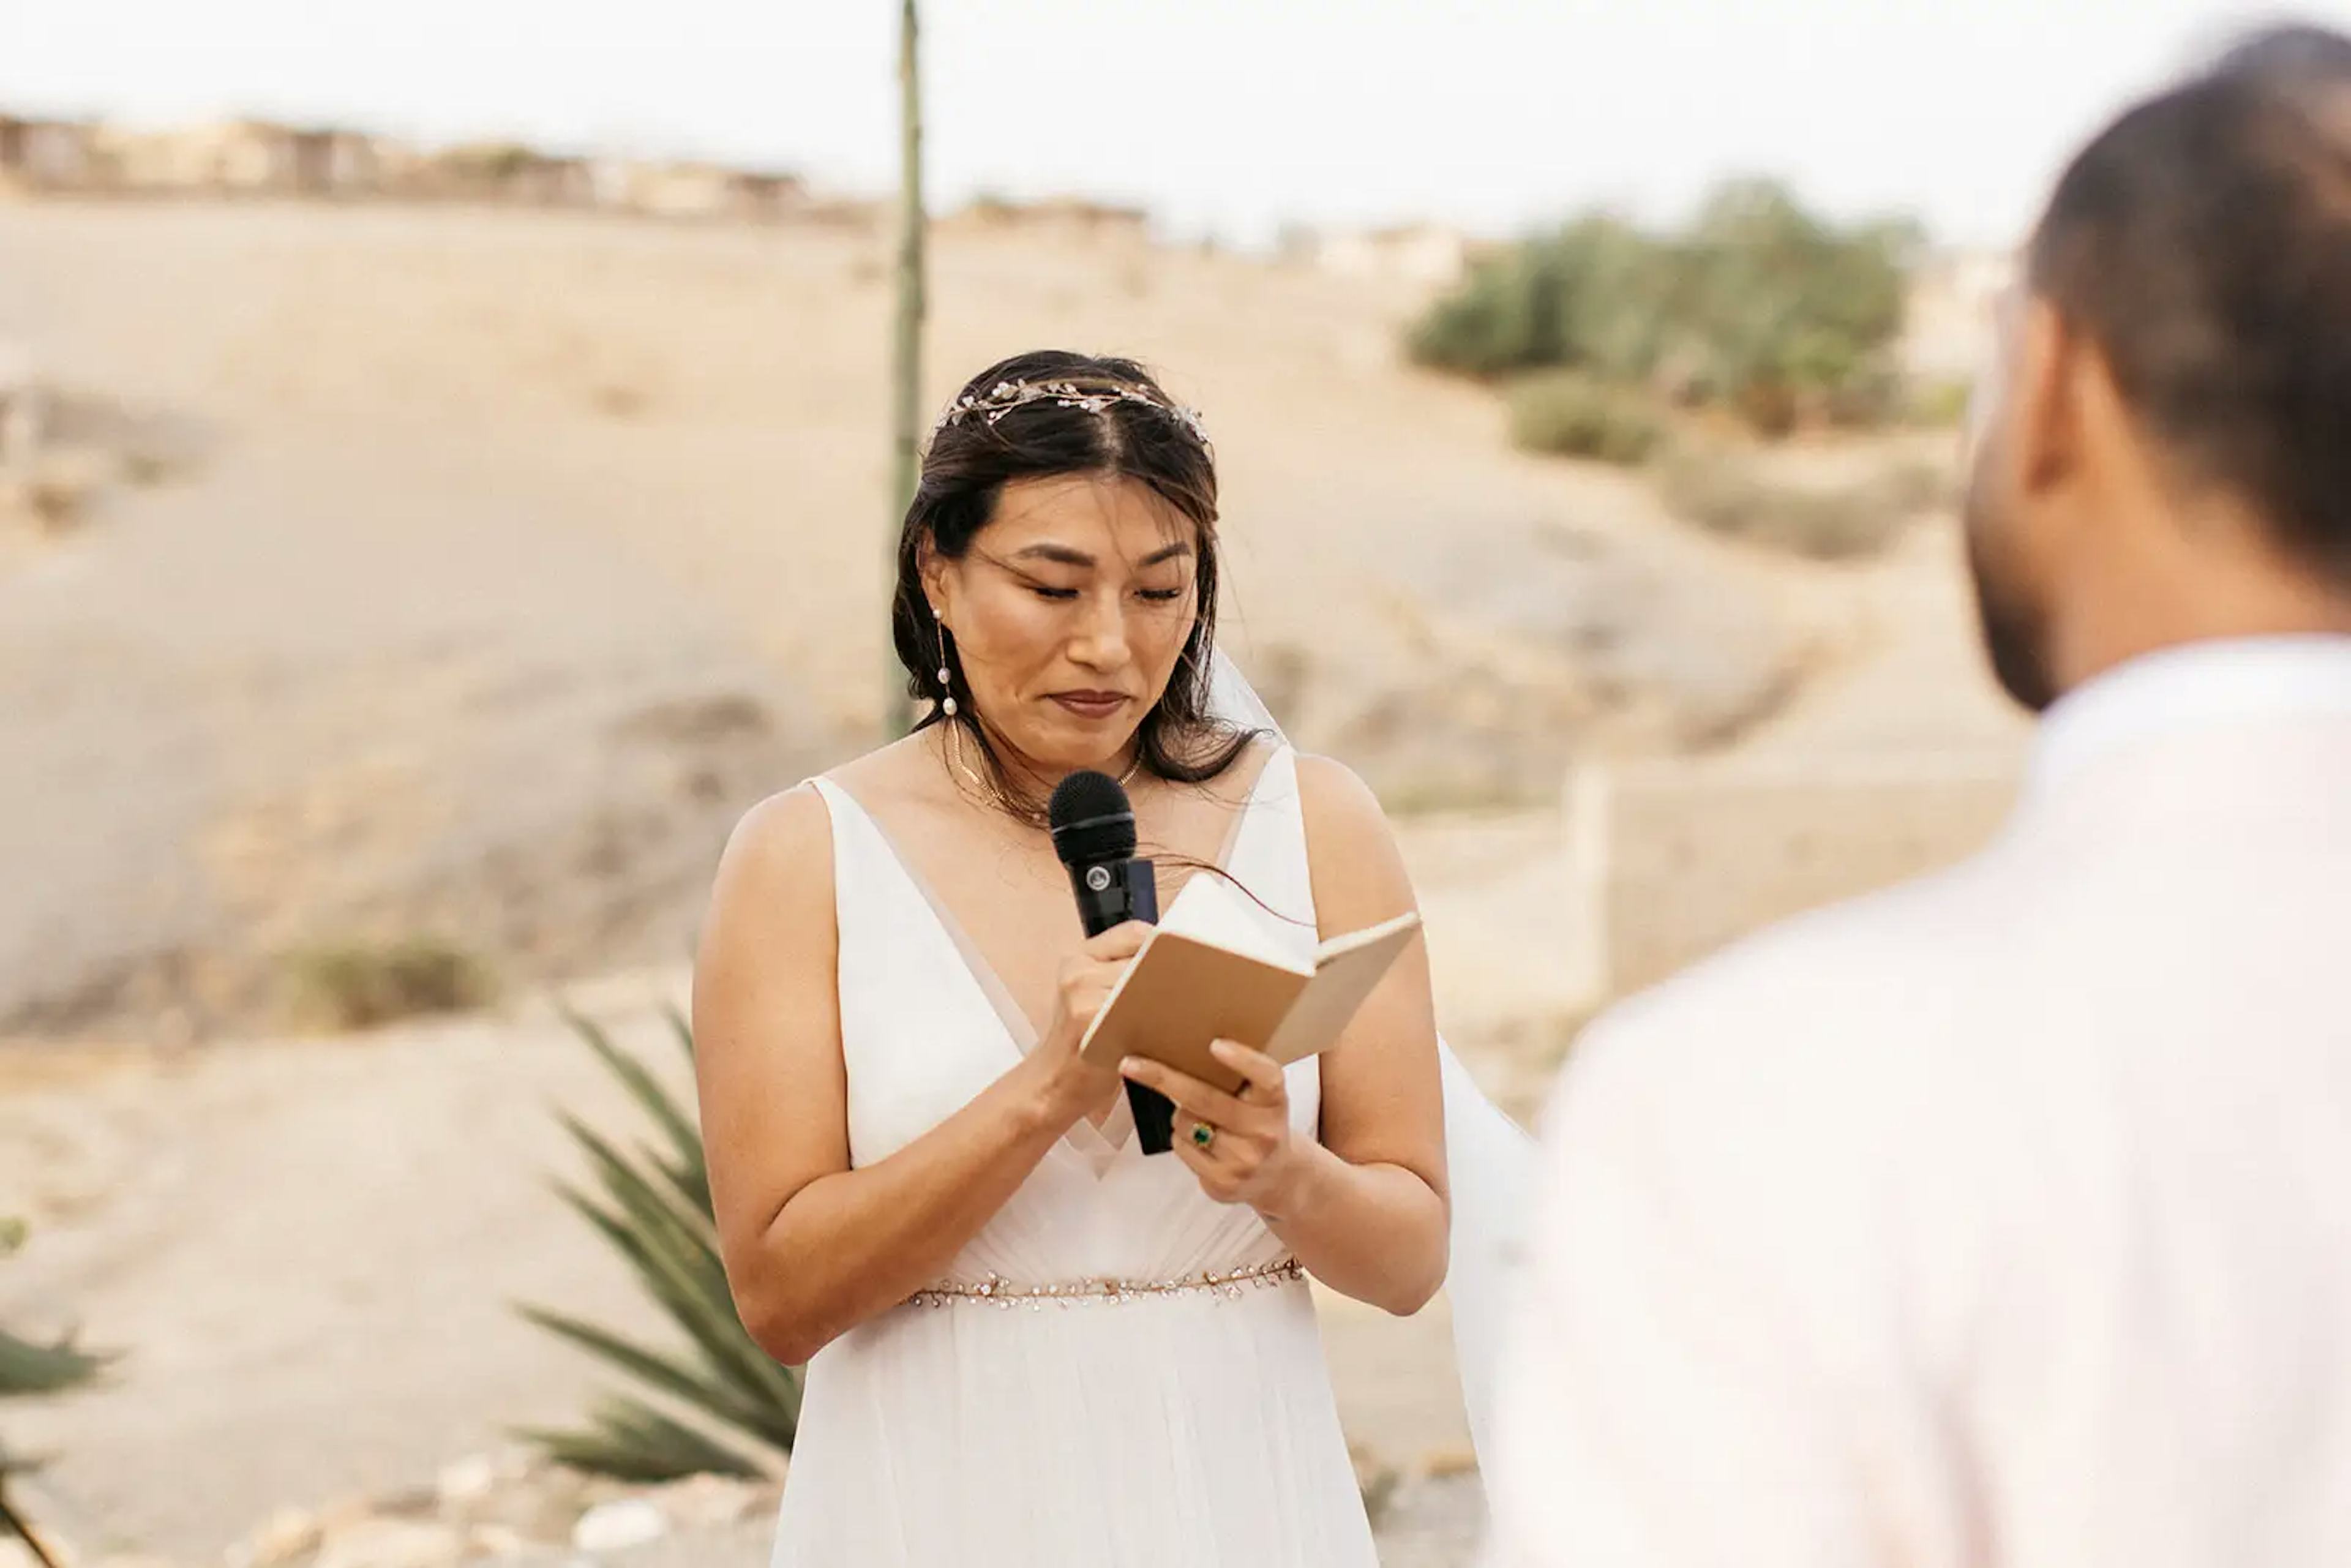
(1489, 1161)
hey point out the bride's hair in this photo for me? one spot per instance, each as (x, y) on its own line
(1038, 415)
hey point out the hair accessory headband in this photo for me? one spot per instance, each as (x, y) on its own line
(1005, 396)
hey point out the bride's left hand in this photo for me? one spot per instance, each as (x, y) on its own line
(1251, 1155)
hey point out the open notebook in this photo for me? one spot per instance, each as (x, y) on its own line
(1220, 966)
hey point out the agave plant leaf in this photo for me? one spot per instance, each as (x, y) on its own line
(652, 1202)
(679, 1027)
(617, 1174)
(29, 1368)
(674, 1250)
(655, 1213)
(681, 1267)
(633, 1441)
(689, 1166)
(696, 1387)
(685, 1165)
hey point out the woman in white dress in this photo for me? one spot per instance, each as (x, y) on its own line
(1028, 1342)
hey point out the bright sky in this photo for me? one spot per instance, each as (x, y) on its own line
(1224, 116)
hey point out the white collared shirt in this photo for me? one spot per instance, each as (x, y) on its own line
(2207, 688)
(2000, 1218)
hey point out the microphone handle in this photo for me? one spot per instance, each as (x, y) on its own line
(1153, 1113)
(1129, 892)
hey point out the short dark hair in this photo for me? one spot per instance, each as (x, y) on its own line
(2203, 241)
(2293, 58)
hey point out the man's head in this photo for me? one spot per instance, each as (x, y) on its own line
(2162, 451)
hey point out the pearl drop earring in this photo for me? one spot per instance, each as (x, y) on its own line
(947, 702)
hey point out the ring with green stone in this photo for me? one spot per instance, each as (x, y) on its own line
(1203, 1135)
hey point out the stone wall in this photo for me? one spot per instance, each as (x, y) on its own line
(1674, 859)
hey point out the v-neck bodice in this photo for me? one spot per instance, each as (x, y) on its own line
(925, 1019)
(1094, 1139)
(927, 1023)
(1097, 1144)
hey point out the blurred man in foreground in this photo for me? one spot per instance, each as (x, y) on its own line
(2006, 1218)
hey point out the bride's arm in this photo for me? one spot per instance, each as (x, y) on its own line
(1367, 1211)
(812, 1248)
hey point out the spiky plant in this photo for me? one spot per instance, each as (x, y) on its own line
(652, 1204)
(26, 1368)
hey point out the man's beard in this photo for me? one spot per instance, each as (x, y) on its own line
(2015, 633)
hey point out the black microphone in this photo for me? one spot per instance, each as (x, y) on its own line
(1094, 833)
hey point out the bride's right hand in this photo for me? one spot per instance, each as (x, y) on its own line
(1074, 1085)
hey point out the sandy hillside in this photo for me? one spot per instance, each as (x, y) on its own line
(524, 550)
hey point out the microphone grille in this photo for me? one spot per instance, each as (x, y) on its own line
(1092, 820)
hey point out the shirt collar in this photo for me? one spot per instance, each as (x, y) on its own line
(2194, 686)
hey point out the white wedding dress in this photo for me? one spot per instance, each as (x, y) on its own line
(1187, 1424)
(1191, 1427)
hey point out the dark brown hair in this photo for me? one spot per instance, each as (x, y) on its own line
(970, 461)
(2200, 241)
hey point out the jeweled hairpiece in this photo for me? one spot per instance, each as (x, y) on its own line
(1005, 396)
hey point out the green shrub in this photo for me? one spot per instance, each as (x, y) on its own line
(1940, 405)
(1599, 295)
(357, 985)
(1571, 415)
(1757, 306)
(1504, 317)
(1781, 304)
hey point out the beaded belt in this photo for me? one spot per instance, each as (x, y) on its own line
(1004, 1294)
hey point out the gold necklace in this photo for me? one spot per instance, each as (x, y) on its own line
(955, 758)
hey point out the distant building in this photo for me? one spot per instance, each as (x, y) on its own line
(492, 171)
(252, 157)
(1423, 254)
(150, 161)
(765, 197)
(844, 212)
(239, 156)
(665, 190)
(47, 154)
(1090, 221)
(328, 163)
(1065, 218)
(564, 181)
(400, 171)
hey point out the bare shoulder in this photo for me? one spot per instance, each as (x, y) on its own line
(903, 777)
(775, 877)
(790, 828)
(1339, 808)
(1352, 855)
(793, 828)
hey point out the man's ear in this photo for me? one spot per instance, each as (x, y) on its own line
(2046, 385)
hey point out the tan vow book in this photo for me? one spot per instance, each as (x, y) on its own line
(1219, 967)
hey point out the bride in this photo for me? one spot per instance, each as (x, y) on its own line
(1027, 1342)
